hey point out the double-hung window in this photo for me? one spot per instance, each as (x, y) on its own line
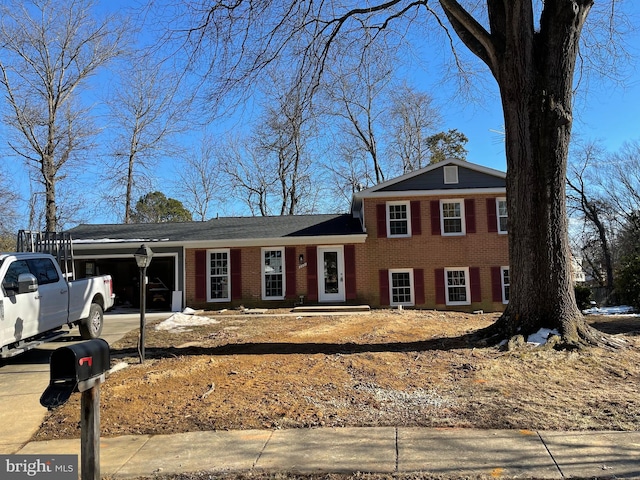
(452, 217)
(219, 278)
(503, 217)
(273, 273)
(401, 286)
(398, 219)
(456, 281)
(506, 283)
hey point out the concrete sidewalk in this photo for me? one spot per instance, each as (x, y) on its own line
(446, 452)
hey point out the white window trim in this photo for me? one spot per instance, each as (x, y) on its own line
(502, 285)
(462, 218)
(498, 200)
(262, 273)
(209, 252)
(407, 204)
(450, 173)
(411, 287)
(466, 281)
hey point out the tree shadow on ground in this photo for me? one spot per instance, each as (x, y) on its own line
(308, 348)
(629, 325)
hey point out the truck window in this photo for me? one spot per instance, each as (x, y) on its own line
(10, 281)
(44, 270)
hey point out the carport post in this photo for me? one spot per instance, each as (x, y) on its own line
(90, 433)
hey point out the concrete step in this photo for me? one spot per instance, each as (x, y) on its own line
(331, 308)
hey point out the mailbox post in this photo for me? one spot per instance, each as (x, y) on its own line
(81, 368)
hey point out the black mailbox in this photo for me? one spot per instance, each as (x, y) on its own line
(76, 368)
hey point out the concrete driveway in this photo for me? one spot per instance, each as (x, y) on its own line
(23, 379)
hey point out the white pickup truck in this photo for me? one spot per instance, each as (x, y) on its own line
(37, 301)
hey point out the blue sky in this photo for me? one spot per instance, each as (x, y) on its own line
(608, 112)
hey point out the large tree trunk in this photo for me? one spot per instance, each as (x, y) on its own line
(535, 79)
(534, 71)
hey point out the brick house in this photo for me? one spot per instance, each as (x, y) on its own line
(434, 238)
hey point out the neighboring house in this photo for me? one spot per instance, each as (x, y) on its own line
(434, 238)
(578, 275)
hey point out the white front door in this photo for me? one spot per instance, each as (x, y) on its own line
(331, 274)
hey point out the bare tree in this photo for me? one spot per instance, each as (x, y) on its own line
(529, 47)
(412, 117)
(589, 200)
(145, 115)
(249, 177)
(282, 136)
(49, 51)
(620, 178)
(349, 172)
(9, 206)
(359, 88)
(200, 179)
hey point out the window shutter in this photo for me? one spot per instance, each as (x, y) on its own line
(470, 215)
(476, 293)
(416, 220)
(350, 271)
(381, 219)
(492, 217)
(236, 273)
(312, 274)
(440, 296)
(435, 217)
(384, 287)
(418, 286)
(201, 275)
(290, 271)
(496, 284)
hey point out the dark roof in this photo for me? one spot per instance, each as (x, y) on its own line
(227, 228)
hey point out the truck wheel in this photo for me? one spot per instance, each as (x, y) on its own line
(91, 327)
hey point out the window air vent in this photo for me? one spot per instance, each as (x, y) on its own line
(450, 174)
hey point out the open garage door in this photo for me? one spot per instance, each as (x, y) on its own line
(161, 276)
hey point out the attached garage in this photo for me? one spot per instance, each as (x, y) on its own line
(98, 250)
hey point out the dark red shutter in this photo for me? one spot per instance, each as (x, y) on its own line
(416, 219)
(201, 275)
(435, 217)
(496, 284)
(492, 217)
(470, 214)
(290, 262)
(476, 293)
(312, 274)
(381, 219)
(383, 275)
(350, 271)
(440, 296)
(236, 273)
(418, 286)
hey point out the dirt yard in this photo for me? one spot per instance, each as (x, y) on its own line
(405, 368)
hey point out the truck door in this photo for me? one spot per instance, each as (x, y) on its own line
(20, 311)
(53, 291)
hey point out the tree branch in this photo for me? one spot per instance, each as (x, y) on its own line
(474, 35)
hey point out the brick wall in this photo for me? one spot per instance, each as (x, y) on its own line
(429, 252)
(426, 251)
(251, 263)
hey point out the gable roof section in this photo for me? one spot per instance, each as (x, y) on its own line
(250, 231)
(430, 179)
